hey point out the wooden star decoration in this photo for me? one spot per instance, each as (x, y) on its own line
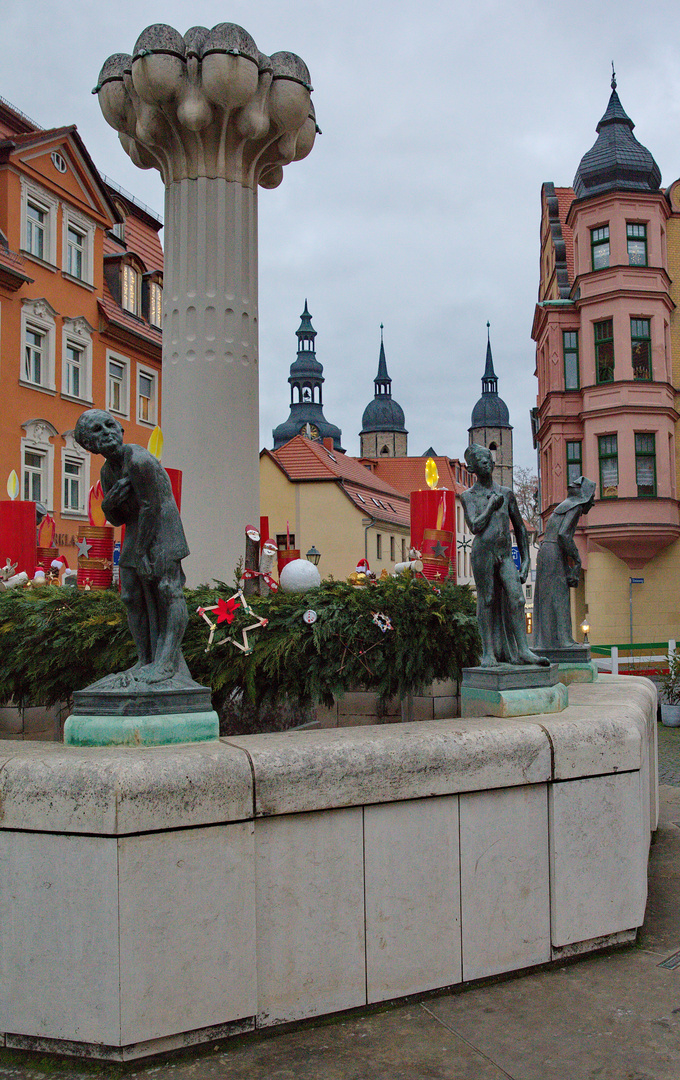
(226, 612)
(358, 655)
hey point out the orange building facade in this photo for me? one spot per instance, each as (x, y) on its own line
(81, 275)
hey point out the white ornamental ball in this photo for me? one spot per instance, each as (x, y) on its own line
(298, 576)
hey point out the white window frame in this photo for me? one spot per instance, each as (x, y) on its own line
(37, 440)
(77, 332)
(49, 205)
(71, 452)
(147, 373)
(87, 230)
(124, 362)
(38, 315)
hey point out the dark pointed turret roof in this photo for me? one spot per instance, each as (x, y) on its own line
(306, 363)
(490, 410)
(617, 161)
(306, 375)
(383, 413)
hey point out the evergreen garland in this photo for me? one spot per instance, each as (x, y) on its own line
(57, 640)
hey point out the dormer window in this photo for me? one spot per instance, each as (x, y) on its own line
(155, 304)
(130, 289)
(118, 227)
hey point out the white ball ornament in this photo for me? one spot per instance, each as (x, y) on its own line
(298, 576)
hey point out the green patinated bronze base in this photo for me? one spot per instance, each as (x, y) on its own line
(159, 730)
(578, 673)
(530, 701)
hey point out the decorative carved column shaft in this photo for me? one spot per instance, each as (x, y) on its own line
(217, 118)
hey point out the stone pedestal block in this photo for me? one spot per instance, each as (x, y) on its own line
(160, 730)
(544, 699)
(512, 690)
(578, 673)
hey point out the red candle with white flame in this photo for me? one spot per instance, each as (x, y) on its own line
(433, 529)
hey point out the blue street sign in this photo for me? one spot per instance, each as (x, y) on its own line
(516, 557)
(637, 581)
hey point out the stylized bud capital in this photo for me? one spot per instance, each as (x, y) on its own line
(208, 103)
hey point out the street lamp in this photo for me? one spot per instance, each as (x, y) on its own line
(313, 555)
(585, 630)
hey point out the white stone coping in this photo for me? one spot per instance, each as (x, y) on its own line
(49, 787)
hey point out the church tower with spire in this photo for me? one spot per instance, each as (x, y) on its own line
(490, 422)
(306, 398)
(383, 433)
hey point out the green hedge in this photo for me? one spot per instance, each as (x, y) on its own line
(57, 640)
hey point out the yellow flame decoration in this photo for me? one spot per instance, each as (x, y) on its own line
(440, 515)
(94, 505)
(431, 473)
(155, 443)
(13, 485)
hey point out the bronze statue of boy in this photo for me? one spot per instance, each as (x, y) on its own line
(489, 509)
(138, 495)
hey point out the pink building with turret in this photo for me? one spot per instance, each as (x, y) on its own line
(604, 328)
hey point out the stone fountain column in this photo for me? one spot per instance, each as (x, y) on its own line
(217, 118)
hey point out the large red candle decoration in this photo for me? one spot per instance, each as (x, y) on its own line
(17, 535)
(45, 550)
(176, 484)
(433, 529)
(95, 545)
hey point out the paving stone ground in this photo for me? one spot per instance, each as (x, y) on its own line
(669, 755)
(614, 1016)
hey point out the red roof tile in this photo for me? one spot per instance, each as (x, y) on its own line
(10, 260)
(140, 239)
(145, 241)
(565, 197)
(304, 459)
(117, 315)
(407, 474)
(43, 135)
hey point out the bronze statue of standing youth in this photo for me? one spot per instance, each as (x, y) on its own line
(489, 509)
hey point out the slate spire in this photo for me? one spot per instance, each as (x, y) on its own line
(617, 161)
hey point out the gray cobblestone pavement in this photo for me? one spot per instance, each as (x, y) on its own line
(669, 755)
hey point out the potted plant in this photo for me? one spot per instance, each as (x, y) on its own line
(670, 687)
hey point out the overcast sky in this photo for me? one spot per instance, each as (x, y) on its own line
(419, 205)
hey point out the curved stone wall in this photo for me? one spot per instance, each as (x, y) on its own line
(177, 894)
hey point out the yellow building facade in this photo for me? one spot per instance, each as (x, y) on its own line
(330, 501)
